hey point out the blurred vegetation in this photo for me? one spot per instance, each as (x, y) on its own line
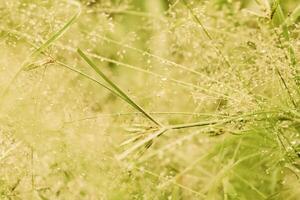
(220, 78)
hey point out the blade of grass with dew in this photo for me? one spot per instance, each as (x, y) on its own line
(90, 78)
(294, 16)
(181, 173)
(264, 4)
(141, 143)
(50, 41)
(168, 146)
(57, 35)
(203, 123)
(130, 140)
(277, 12)
(251, 186)
(286, 87)
(119, 90)
(218, 51)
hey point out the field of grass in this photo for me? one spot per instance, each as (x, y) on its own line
(149, 99)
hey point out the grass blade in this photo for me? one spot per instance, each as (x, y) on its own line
(44, 46)
(208, 35)
(117, 89)
(141, 143)
(277, 14)
(57, 35)
(90, 78)
(293, 17)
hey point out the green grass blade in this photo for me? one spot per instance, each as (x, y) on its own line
(197, 20)
(245, 181)
(90, 78)
(56, 35)
(44, 46)
(208, 35)
(277, 14)
(115, 87)
(293, 17)
(141, 143)
(286, 87)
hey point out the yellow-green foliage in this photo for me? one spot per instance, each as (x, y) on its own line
(149, 99)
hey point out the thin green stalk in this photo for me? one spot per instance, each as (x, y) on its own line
(276, 11)
(218, 51)
(57, 35)
(287, 88)
(141, 143)
(293, 16)
(197, 124)
(251, 186)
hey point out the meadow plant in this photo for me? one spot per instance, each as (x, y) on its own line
(153, 99)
